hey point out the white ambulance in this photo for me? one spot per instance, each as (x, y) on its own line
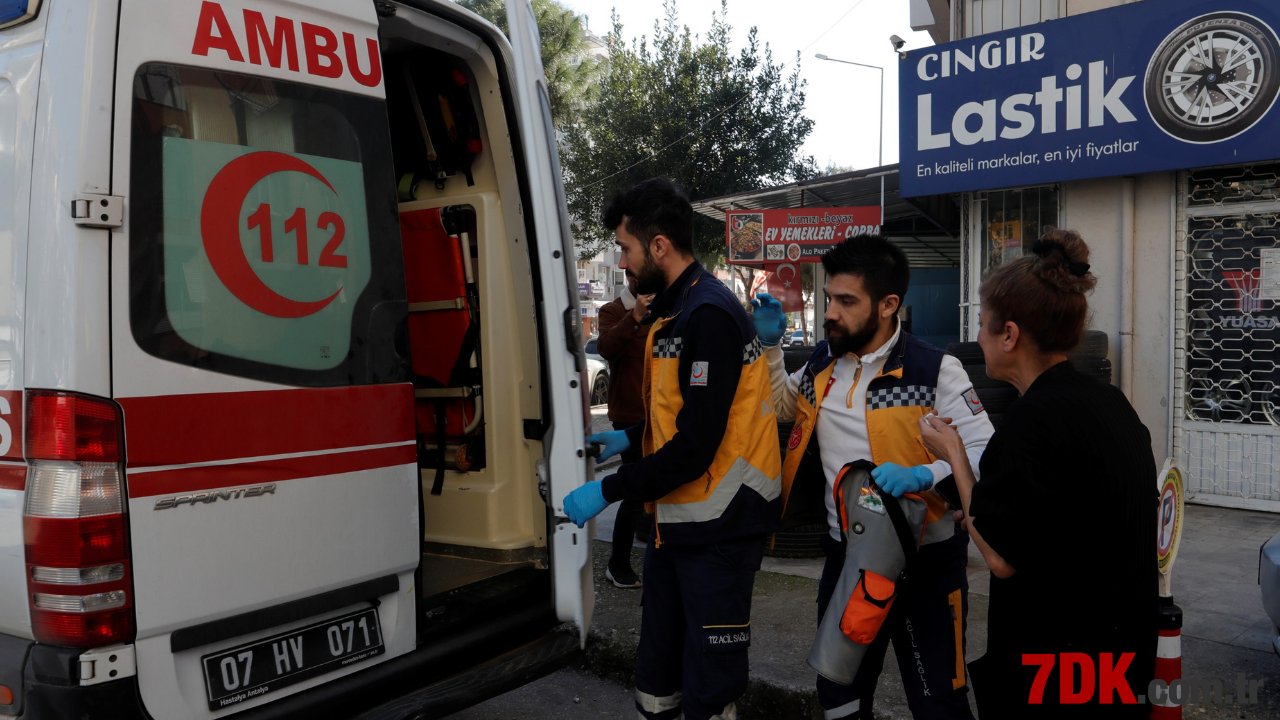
(290, 369)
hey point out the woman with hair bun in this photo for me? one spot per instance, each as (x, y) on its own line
(1065, 513)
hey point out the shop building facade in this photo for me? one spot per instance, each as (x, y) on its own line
(1185, 238)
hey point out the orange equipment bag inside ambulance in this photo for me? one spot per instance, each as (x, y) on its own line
(443, 339)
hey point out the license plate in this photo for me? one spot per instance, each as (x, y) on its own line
(249, 671)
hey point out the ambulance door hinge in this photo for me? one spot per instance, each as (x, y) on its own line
(107, 664)
(98, 211)
(544, 478)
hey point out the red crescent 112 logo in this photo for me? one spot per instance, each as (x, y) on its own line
(973, 401)
(220, 233)
(698, 375)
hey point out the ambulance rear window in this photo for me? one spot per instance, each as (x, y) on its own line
(264, 241)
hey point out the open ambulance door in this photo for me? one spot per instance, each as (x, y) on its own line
(564, 465)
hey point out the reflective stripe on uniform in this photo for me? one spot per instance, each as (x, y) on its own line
(844, 711)
(655, 704)
(739, 474)
(730, 712)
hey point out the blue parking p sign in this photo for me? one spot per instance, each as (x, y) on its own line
(1141, 87)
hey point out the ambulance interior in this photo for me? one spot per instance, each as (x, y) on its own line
(472, 329)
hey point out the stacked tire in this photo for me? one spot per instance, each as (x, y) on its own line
(1089, 357)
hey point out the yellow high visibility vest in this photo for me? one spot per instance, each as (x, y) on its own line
(740, 493)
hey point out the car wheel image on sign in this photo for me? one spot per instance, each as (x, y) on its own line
(1214, 77)
(1127, 90)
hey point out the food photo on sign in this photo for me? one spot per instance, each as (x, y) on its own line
(745, 234)
(796, 234)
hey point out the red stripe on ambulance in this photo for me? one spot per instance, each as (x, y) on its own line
(320, 45)
(208, 477)
(13, 474)
(187, 429)
(13, 477)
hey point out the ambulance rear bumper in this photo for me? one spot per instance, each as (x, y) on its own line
(499, 656)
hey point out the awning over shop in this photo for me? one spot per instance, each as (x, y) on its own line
(926, 228)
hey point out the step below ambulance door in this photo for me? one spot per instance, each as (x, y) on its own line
(566, 363)
(257, 291)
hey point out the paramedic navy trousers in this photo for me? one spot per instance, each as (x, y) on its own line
(695, 627)
(922, 626)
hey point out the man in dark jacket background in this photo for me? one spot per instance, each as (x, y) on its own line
(621, 343)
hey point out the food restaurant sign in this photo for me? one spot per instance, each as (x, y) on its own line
(1142, 87)
(795, 235)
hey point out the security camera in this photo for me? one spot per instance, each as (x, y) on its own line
(897, 42)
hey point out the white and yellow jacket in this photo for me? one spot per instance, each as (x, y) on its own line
(876, 419)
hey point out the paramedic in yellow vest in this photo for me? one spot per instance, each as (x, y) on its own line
(711, 471)
(860, 397)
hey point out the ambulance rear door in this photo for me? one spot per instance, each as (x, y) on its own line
(547, 215)
(257, 287)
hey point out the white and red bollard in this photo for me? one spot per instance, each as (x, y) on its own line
(1168, 660)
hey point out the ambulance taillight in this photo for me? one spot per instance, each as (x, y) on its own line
(77, 551)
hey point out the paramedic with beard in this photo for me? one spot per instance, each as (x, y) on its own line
(711, 471)
(860, 397)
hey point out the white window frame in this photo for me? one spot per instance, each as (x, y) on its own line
(987, 16)
(972, 237)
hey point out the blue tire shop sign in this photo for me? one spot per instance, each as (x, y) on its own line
(1141, 87)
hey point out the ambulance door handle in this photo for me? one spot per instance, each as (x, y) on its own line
(573, 338)
(98, 211)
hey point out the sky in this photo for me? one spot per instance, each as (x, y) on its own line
(843, 100)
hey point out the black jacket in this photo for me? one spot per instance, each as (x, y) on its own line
(1068, 498)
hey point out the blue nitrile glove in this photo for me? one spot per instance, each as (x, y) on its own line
(585, 503)
(898, 480)
(771, 322)
(614, 442)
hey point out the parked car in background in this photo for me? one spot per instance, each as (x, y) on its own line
(597, 379)
(800, 338)
(1269, 579)
(597, 373)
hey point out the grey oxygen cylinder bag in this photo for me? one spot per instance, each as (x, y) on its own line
(882, 534)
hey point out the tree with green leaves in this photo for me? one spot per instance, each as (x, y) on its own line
(570, 71)
(714, 121)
